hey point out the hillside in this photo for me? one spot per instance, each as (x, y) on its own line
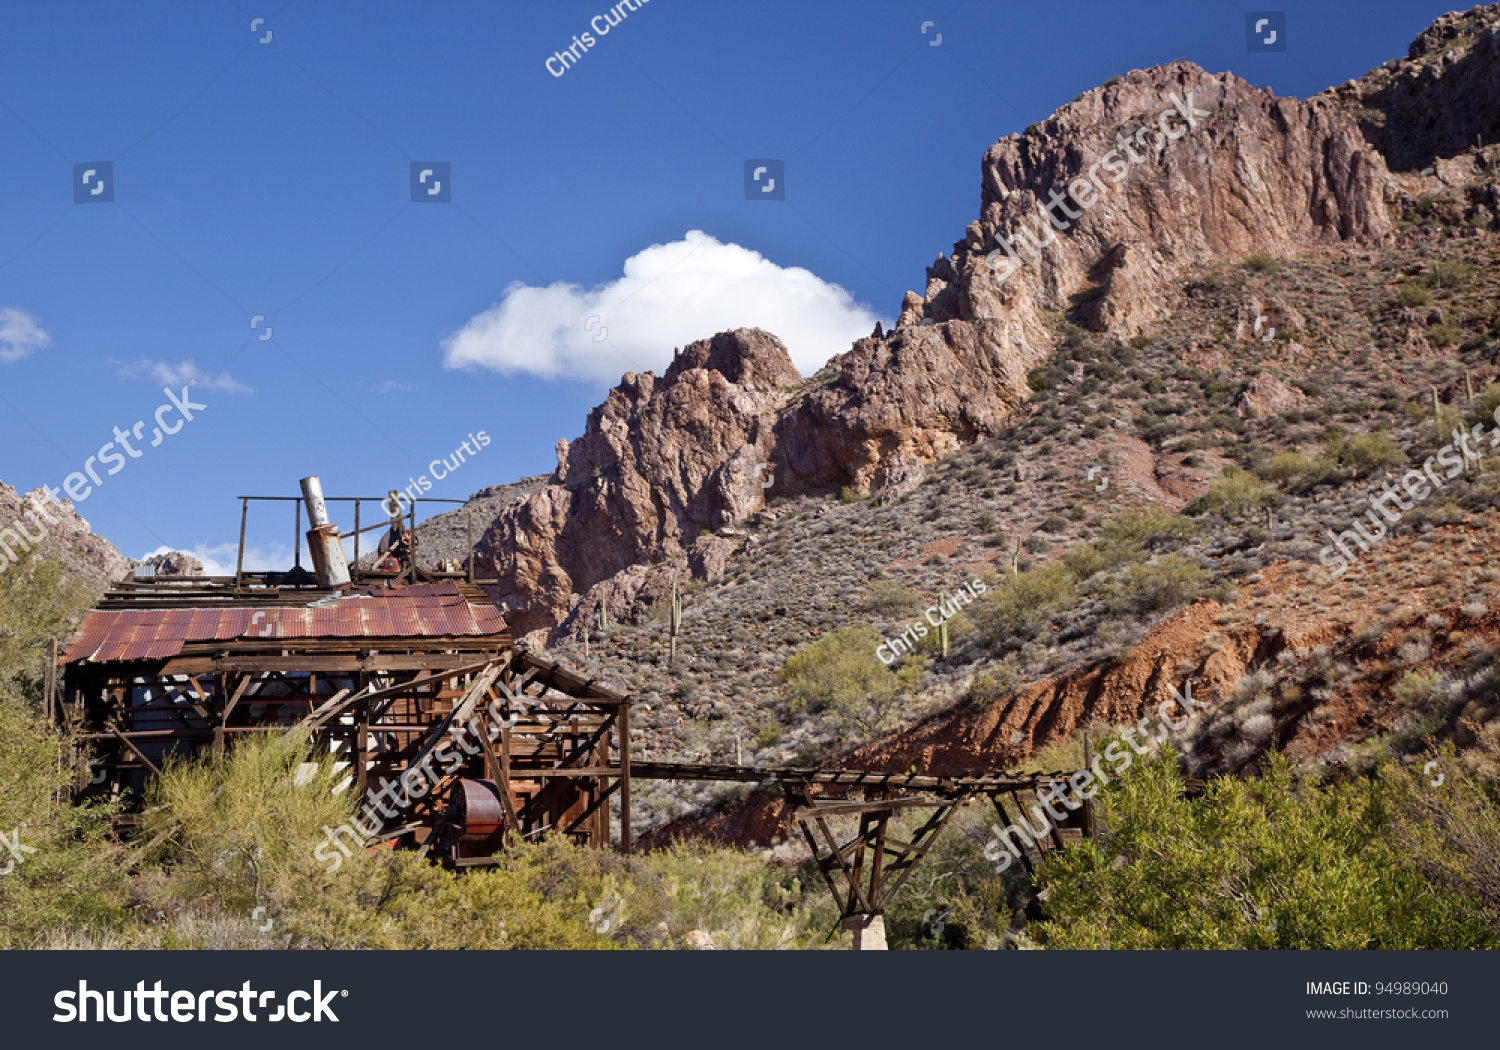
(1271, 318)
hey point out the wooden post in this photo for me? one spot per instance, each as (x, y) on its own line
(49, 680)
(469, 530)
(239, 562)
(297, 534)
(354, 571)
(622, 724)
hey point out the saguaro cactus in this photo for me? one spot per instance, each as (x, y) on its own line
(676, 620)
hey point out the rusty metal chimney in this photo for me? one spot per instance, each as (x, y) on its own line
(323, 538)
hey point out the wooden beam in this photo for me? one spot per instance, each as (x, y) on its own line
(138, 753)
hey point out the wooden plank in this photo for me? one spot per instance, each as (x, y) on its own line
(623, 726)
(138, 752)
(829, 809)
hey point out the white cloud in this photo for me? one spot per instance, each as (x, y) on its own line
(219, 559)
(19, 335)
(389, 386)
(181, 374)
(671, 295)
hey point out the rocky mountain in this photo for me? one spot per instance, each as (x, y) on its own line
(1166, 169)
(85, 558)
(1279, 307)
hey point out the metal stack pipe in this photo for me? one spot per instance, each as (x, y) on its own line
(323, 541)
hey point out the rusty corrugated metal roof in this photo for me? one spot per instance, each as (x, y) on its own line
(423, 611)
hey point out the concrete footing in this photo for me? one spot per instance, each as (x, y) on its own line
(868, 930)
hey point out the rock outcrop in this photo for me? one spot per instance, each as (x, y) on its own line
(1157, 171)
(660, 462)
(85, 558)
(173, 563)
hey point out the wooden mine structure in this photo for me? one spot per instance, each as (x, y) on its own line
(410, 679)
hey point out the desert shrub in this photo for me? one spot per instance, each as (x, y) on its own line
(1485, 404)
(67, 875)
(1260, 262)
(994, 685)
(36, 603)
(1415, 687)
(1156, 586)
(1251, 864)
(1149, 527)
(1449, 273)
(1364, 453)
(244, 830)
(841, 672)
(1415, 295)
(1234, 494)
(889, 598)
(1444, 335)
(1449, 830)
(1017, 606)
(768, 734)
(1084, 560)
(849, 494)
(1291, 468)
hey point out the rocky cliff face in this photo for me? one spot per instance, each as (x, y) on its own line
(1091, 217)
(1439, 101)
(86, 558)
(1092, 211)
(660, 463)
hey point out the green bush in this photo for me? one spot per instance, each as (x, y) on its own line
(1444, 335)
(1084, 560)
(992, 686)
(1449, 273)
(1252, 864)
(841, 672)
(1156, 586)
(244, 833)
(1415, 295)
(73, 877)
(1260, 262)
(1017, 607)
(1151, 526)
(1485, 404)
(1293, 468)
(1364, 453)
(889, 598)
(1234, 494)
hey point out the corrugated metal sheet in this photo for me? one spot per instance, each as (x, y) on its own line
(424, 611)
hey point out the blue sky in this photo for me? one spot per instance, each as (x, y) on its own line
(274, 179)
